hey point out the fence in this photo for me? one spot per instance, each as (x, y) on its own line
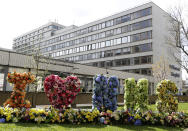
(40, 98)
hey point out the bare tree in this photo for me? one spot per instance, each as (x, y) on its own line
(179, 36)
(161, 69)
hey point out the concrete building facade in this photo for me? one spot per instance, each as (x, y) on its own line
(130, 41)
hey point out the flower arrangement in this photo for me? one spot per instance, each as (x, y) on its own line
(100, 93)
(113, 84)
(52, 115)
(130, 94)
(61, 92)
(142, 95)
(105, 93)
(17, 98)
(167, 102)
(136, 95)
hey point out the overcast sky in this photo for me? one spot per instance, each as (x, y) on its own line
(20, 16)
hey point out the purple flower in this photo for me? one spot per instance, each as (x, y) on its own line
(138, 122)
(2, 120)
(102, 120)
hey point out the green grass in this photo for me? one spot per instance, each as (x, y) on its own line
(69, 127)
(181, 107)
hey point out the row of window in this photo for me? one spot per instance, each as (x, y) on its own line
(119, 20)
(175, 74)
(111, 53)
(143, 71)
(122, 19)
(94, 46)
(38, 32)
(142, 24)
(124, 62)
(174, 67)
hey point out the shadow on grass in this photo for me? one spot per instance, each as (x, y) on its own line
(148, 128)
(98, 126)
(33, 125)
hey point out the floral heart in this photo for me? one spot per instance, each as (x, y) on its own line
(61, 92)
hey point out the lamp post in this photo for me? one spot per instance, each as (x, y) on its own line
(106, 66)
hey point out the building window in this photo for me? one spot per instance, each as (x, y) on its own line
(102, 54)
(175, 74)
(102, 44)
(118, 41)
(117, 21)
(108, 43)
(125, 18)
(124, 39)
(95, 64)
(117, 31)
(126, 50)
(81, 48)
(118, 62)
(103, 25)
(142, 48)
(126, 62)
(117, 52)
(146, 59)
(136, 60)
(108, 53)
(93, 46)
(102, 64)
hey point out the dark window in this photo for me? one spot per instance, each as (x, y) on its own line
(102, 64)
(109, 63)
(108, 53)
(146, 59)
(136, 60)
(125, 18)
(175, 74)
(95, 64)
(118, 62)
(141, 13)
(141, 36)
(137, 71)
(142, 48)
(117, 21)
(126, 62)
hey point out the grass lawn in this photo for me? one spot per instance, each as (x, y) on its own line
(69, 127)
(181, 107)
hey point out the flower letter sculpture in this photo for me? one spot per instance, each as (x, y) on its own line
(20, 80)
(136, 95)
(166, 90)
(113, 84)
(61, 92)
(130, 94)
(142, 95)
(105, 93)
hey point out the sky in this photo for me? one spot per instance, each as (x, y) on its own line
(20, 16)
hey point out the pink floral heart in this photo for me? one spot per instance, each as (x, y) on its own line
(61, 92)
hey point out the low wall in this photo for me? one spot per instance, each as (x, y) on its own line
(40, 98)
